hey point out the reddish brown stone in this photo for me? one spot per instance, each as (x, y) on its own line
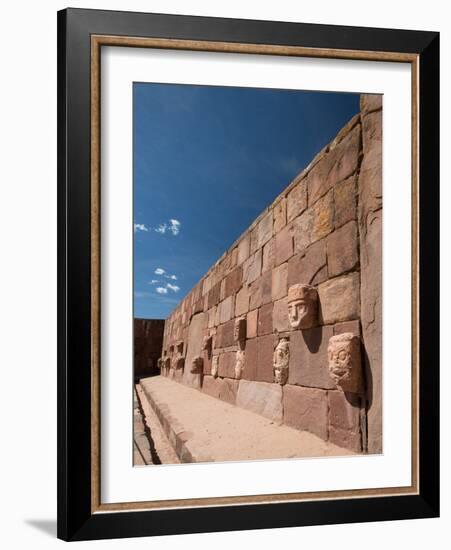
(211, 386)
(348, 326)
(265, 319)
(279, 282)
(265, 351)
(255, 294)
(306, 409)
(340, 298)
(268, 255)
(283, 248)
(252, 267)
(227, 364)
(344, 411)
(345, 199)
(226, 309)
(224, 336)
(339, 163)
(342, 249)
(370, 102)
(280, 319)
(309, 364)
(243, 249)
(250, 360)
(346, 439)
(233, 281)
(323, 217)
(280, 215)
(264, 229)
(213, 295)
(251, 323)
(261, 398)
(309, 266)
(228, 389)
(297, 200)
(266, 287)
(302, 228)
(242, 301)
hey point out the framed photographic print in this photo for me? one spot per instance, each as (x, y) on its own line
(248, 274)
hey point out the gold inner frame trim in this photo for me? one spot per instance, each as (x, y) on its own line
(97, 41)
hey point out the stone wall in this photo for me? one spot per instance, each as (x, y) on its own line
(316, 252)
(148, 342)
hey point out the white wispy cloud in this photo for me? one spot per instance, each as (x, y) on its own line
(161, 228)
(173, 277)
(153, 281)
(174, 226)
(139, 227)
(174, 288)
(159, 271)
(161, 290)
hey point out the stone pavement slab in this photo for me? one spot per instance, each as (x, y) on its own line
(204, 429)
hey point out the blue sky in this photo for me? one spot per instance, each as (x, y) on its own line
(207, 161)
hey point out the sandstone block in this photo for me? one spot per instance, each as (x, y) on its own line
(280, 215)
(346, 439)
(261, 290)
(242, 301)
(309, 266)
(261, 398)
(297, 200)
(224, 336)
(344, 411)
(251, 324)
(283, 247)
(243, 249)
(309, 365)
(265, 350)
(339, 163)
(250, 360)
(268, 255)
(264, 229)
(340, 298)
(226, 309)
(227, 365)
(302, 228)
(370, 102)
(348, 326)
(265, 319)
(233, 281)
(279, 281)
(252, 267)
(210, 386)
(280, 316)
(323, 217)
(342, 249)
(213, 295)
(345, 199)
(306, 409)
(228, 389)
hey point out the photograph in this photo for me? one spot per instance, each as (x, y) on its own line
(257, 274)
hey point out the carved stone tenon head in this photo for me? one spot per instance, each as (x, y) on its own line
(239, 330)
(281, 359)
(345, 366)
(197, 365)
(302, 306)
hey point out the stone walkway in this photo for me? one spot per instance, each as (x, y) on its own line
(203, 429)
(150, 444)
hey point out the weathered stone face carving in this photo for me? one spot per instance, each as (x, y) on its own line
(239, 331)
(281, 359)
(207, 343)
(179, 348)
(197, 365)
(345, 363)
(215, 366)
(302, 306)
(239, 364)
(167, 362)
(179, 362)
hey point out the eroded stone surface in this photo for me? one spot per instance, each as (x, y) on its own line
(279, 282)
(280, 215)
(342, 249)
(306, 409)
(261, 398)
(297, 200)
(239, 363)
(340, 298)
(302, 306)
(344, 362)
(309, 266)
(281, 361)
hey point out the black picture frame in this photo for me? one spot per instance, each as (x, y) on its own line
(76, 519)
